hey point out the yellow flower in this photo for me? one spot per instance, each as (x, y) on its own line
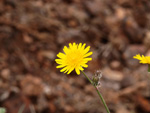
(143, 59)
(74, 57)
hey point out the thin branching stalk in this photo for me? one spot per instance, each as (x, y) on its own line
(99, 94)
(149, 77)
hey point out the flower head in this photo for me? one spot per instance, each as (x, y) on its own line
(73, 58)
(143, 59)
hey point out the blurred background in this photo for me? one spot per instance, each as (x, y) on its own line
(32, 32)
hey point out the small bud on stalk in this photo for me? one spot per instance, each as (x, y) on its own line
(96, 78)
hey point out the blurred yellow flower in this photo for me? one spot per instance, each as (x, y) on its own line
(74, 57)
(143, 59)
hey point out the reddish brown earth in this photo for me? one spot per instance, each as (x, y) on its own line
(32, 32)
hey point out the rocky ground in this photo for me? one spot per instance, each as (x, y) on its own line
(32, 32)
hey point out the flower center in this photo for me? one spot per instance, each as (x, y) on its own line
(74, 59)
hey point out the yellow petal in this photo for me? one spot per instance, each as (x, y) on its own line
(64, 69)
(88, 54)
(70, 70)
(61, 55)
(66, 50)
(79, 46)
(84, 65)
(87, 59)
(82, 48)
(81, 68)
(60, 66)
(77, 71)
(58, 61)
(70, 45)
(86, 49)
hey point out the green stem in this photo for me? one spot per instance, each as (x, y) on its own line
(87, 77)
(99, 94)
(148, 67)
(102, 99)
(149, 81)
(149, 76)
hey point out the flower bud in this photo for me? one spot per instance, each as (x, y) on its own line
(96, 78)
